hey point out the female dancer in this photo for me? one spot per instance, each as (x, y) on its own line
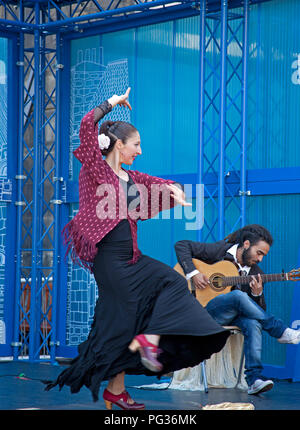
(142, 303)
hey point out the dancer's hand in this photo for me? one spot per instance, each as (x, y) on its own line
(120, 100)
(178, 195)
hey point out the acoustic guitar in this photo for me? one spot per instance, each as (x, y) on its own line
(224, 274)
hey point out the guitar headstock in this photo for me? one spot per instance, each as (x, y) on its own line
(294, 275)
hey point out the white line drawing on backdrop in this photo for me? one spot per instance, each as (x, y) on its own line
(91, 83)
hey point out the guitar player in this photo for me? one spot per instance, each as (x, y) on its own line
(244, 306)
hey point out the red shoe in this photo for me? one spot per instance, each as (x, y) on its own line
(121, 400)
(148, 352)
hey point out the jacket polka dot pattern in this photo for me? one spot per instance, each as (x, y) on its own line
(102, 203)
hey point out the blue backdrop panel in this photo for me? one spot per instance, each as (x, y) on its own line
(161, 64)
(278, 213)
(107, 64)
(3, 178)
(185, 102)
(274, 85)
(8, 138)
(154, 97)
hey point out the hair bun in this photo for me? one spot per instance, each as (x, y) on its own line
(105, 126)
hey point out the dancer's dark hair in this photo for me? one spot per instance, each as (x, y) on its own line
(116, 130)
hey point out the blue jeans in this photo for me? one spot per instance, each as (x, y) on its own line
(237, 308)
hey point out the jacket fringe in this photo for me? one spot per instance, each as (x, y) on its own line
(82, 252)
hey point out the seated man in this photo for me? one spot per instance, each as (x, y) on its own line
(244, 306)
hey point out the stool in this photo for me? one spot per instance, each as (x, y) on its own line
(233, 330)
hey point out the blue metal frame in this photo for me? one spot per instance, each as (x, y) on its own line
(243, 183)
(36, 282)
(25, 298)
(19, 179)
(260, 182)
(36, 219)
(218, 102)
(73, 19)
(223, 109)
(57, 195)
(199, 180)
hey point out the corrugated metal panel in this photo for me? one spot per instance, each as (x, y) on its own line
(273, 135)
(186, 97)
(163, 64)
(161, 57)
(3, 176)
(154, 97)
(280, 215)
(274, 90)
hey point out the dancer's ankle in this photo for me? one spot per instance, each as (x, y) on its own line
(153, 338)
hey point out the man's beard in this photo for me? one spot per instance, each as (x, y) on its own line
(246, 257)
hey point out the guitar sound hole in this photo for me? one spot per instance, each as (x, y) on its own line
(216, 282)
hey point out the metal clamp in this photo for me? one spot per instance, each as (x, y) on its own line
(56, 202)
(53, 343)
(20, 203)
(16, 344)
(244, 193)
(20, 177)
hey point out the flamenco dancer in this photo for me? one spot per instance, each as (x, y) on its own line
(145, 321)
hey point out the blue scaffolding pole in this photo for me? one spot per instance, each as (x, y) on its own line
(36, 281)
(217, 105)
(57, 202)
(203, 7)
(243, 186)
(19, 203)
(223, 109)
(36, 220)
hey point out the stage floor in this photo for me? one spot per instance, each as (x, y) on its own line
(27, 392)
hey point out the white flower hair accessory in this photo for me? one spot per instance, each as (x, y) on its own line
(104, 141)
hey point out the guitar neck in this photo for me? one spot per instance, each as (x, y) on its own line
(242, 280)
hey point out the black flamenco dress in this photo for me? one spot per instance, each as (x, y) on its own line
(147, 297)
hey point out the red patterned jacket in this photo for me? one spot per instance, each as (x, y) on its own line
(100, 194)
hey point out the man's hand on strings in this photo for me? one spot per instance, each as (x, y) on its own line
(256, 285)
